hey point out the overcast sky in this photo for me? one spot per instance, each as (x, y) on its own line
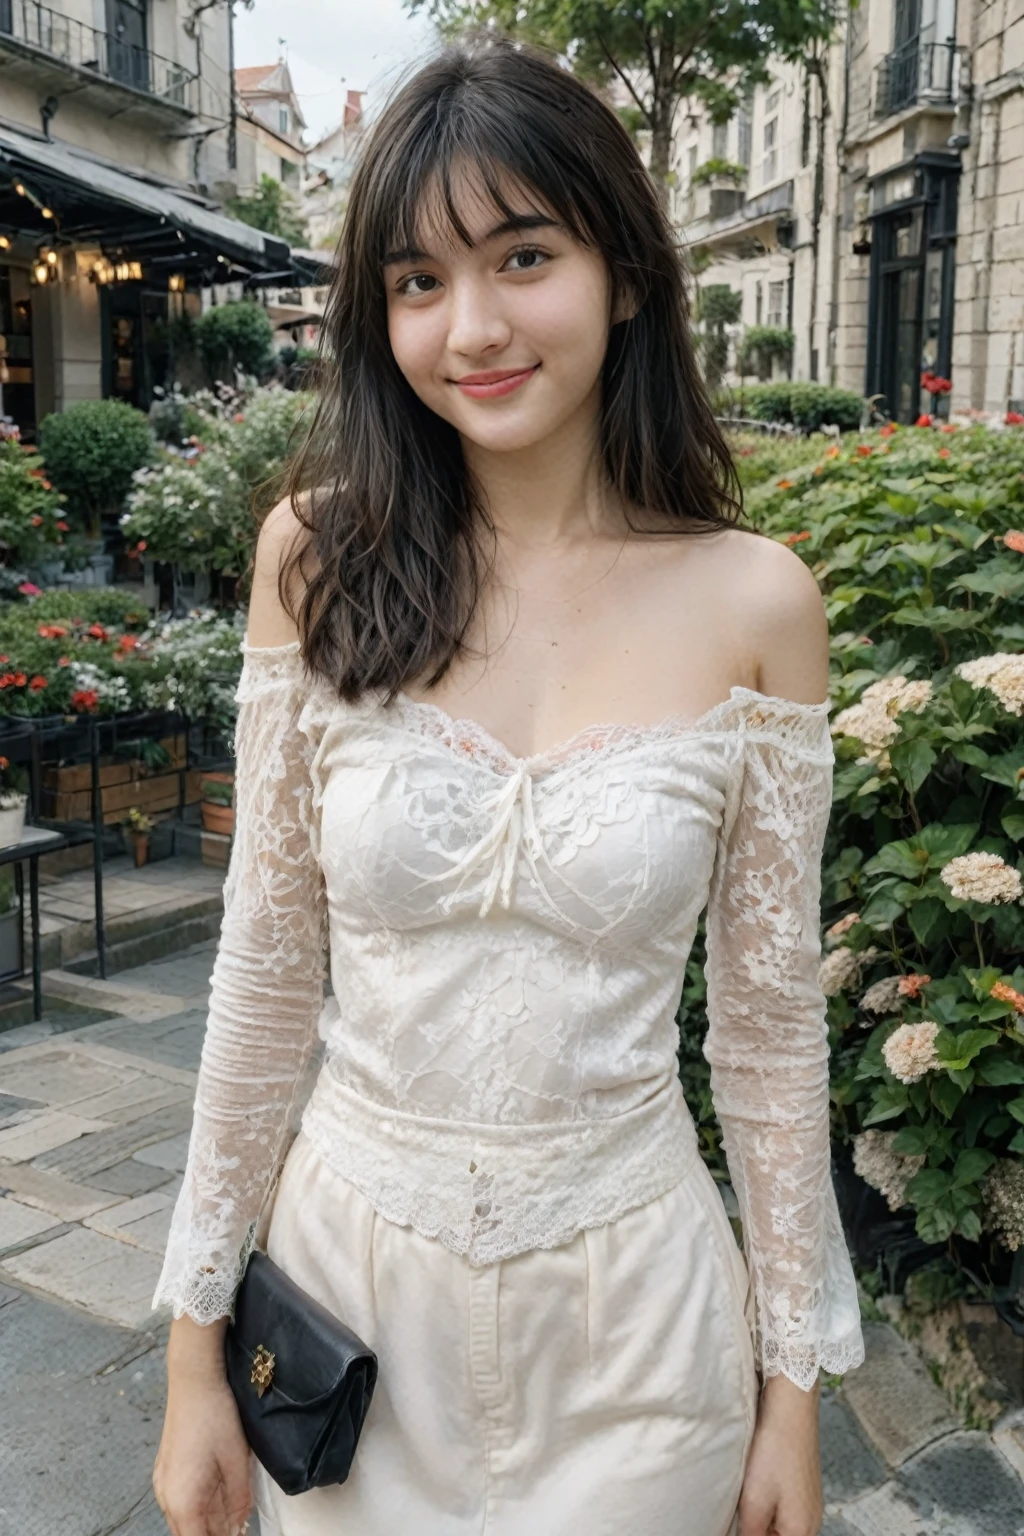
(332, 46)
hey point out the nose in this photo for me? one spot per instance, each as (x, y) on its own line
(476, 322)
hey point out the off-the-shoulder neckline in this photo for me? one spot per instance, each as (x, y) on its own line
(470, 738)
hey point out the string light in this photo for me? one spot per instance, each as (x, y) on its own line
(5, 242)
(176, 282)
(51, 257)
(19, 189)
(41, 271)
(47, 213)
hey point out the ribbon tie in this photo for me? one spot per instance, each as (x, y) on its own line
(512, 827)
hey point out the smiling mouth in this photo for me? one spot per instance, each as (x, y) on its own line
(502, 381)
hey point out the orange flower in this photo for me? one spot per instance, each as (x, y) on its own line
(819, 469)
(864, 450)
(52, 631)
(833, 452)
(64, 661)
(36, 520)
(127, 642)
(97, 632)
(1014, 540)
(943, 453)
(238, 417)
(785, 485)
(5, 762)
(796, 538)
(910, 986)
(84, 699)
(948, 426)
(37, 682)
(1004, 993)
(888, 429)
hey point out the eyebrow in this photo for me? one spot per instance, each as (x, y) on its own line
(516, 224)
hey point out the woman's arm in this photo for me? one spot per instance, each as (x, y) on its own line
(768, 1048)
(266, 994)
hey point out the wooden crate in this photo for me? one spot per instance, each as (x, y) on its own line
(154, 792)
(77, 776)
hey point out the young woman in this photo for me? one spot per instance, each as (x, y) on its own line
(515, 519)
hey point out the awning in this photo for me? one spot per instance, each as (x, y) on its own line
(94, 201)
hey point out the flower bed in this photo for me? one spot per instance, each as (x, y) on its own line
(79, 653)
(917, 539)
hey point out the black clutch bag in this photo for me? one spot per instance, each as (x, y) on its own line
(301, 1379)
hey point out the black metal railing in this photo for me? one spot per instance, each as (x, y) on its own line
(101, 53)
(920, 69)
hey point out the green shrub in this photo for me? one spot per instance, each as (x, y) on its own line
(761, 344)
(810, 406)
(916, 539)
(717, 169)
(32, 524)
(91, 451)
(233, 336)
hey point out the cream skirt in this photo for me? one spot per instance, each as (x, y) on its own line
(605, 1387)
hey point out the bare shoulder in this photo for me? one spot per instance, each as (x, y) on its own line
(784, 617)
(774, 610)
(282, 532)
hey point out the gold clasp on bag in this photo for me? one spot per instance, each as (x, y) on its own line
(262, 1369)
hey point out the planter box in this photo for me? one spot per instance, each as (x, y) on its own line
(112, 770)
(154, 792)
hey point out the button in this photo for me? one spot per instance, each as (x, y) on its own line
(472, 1167)
(483, 1209)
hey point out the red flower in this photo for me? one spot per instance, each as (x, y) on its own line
(37, 683)
(84, 699)
(97, 632)
(948, 426)
(29, 589)
(62, 525)
(52, 631)
(785, 485)
(943, 453)
(64, 661)
(830, 453)
(238, 417)
(127, 642)
(36, 520)
(19, 679)
(864, 450)
(924, 420)
(1014, 419)
(6, 679)
(888, 429)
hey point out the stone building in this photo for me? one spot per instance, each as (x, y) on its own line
(270, 128)
(118, 143)
(885, 208)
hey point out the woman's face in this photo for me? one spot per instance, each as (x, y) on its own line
(504, 338)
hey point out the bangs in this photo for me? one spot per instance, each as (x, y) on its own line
(471, 143)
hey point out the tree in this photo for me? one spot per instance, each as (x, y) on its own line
(237, 335)
(662, 51)
(272, 209)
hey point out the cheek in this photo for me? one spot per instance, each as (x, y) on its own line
(417, 342)
(569, 320)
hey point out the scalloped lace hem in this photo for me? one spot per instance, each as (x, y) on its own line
(801, 1363)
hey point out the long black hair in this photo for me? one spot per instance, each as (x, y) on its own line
(380, 485)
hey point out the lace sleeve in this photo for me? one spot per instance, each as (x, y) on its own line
(266, 991)
(767, 1041)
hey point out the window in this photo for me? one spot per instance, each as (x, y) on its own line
(758, 303)
(743, 137)
(776, 305)
(720, 141)
(770, 144)
(282, 119)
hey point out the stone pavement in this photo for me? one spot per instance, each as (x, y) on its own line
(94, 1123)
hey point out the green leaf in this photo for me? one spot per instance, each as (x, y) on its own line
(902, 858)
(1017, 1143)
(944, 843)
(1000, 1071)
(913, 1140)
(993, 579)
(966, 1046)
(1016, 1108)
(967, 752)
(929, 921)
(882, 910)
(970, 1225)
(971, 1164)
(912, 762)
(1004, 767)
(1012, 821)
(890, 1099)
(935, 1224)
(945, 1095)
(929, 1185)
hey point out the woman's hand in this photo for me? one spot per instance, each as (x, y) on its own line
(201, 1473)
(782, 1487)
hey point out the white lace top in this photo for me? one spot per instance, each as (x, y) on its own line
(507, 940)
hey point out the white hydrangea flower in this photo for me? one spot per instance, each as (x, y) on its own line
(873, 719)
(883, 996)
(982, 877)
(910, 1050)
(1002, 674)
(885, 1170)
(842, 968)
(1003, 1202)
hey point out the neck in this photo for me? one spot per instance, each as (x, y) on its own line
(554, 492)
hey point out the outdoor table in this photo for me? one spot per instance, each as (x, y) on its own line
(34, 842)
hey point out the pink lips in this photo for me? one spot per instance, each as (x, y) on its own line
(500, 381)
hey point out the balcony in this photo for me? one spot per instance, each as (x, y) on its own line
(45, 46)
(921, 72)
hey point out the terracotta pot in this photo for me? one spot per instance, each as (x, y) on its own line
(140, 847)
(217, 818)
(12, 819)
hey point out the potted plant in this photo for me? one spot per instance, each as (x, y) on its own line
(216, 803)
(138, 827)
(13, 801)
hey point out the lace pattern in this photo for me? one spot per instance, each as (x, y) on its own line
(508, 938)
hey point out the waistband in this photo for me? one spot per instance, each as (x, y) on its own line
(491, 1191)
